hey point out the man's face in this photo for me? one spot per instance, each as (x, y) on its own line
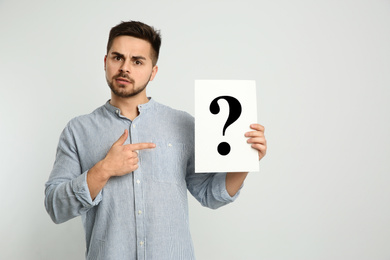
(129, 66)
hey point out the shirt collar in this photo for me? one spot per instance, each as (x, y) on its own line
(141, 107)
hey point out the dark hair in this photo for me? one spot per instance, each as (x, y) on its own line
(137, 30)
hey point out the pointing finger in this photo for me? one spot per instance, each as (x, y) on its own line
(142, 146)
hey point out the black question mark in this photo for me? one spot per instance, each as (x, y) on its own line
(234, 113)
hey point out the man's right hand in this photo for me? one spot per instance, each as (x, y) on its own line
(120, 160)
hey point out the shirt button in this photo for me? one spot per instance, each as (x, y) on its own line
(117, 112)
(141, 243)
(138, 181)
(170, 145)
(133, 126)
(139, 212)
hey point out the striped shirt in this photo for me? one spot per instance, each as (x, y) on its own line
(144, 214)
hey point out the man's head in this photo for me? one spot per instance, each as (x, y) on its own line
(130, 62)
(137, 30)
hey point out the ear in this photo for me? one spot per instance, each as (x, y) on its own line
(154, 72)
(105, 60)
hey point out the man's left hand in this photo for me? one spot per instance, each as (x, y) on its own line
(257, 139)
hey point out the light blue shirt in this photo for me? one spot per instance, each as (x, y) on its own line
(144, 214)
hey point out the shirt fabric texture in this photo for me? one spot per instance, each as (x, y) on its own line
(144, 214)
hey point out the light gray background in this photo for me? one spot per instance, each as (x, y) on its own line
(323, 75)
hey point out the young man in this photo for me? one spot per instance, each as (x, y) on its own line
(126, 167)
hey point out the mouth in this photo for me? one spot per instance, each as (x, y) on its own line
(121, 80)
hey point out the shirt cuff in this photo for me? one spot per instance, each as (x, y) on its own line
(81, 191)
(221, 178)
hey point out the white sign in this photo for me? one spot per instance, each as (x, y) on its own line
(224, 111)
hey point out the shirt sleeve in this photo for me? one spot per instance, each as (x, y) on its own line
(208, 188)
(66, 193)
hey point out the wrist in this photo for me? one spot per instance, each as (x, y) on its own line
(101, 172)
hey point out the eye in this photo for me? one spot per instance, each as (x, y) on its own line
(117, 58)
(138, 62)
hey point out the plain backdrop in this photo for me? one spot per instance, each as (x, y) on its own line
(322, 70)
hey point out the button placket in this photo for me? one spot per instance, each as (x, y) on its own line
(138, 194)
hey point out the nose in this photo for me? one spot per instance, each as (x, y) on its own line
(125, 68)
(124, 71)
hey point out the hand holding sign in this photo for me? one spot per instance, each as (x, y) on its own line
(224, 104)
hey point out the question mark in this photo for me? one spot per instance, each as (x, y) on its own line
(234, 113)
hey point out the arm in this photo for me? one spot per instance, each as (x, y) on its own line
(209, 189)
(235, 180)
(214, 190)
(66, 193)
(69, 192)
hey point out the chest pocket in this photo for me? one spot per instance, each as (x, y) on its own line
(169, 162)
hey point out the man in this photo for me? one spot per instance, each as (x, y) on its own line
(126, 167)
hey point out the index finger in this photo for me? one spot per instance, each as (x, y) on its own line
(141, 146)
(257, 127)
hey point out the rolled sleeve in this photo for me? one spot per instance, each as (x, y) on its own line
(221, 192)
(67, 194)
(210, 189)
(81, 191)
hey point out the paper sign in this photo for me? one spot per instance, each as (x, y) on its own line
(224, 111)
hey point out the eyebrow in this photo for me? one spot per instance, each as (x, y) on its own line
(117, 54)
(138, 58)
(122, 56)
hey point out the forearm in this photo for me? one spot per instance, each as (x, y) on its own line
(67, 199)
(234, 181)
(209, 189)
(96, 179)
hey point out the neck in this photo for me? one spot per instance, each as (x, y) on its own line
(129, 106)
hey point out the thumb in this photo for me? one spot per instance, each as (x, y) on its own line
(122, 139)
